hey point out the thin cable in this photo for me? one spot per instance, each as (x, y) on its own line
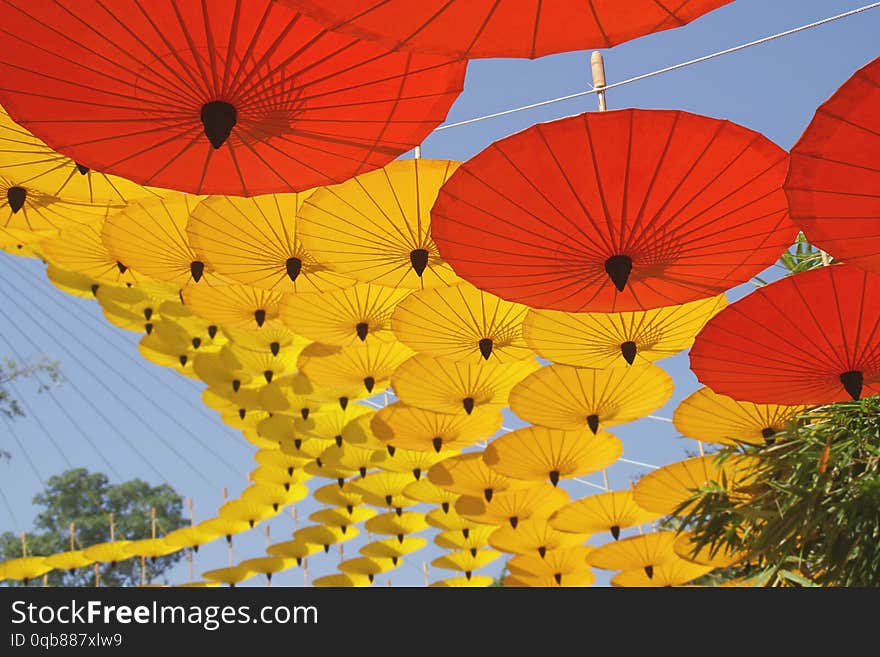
(667, 69)
(587, 483)
(27, 456)
(639, 463)
(8, 506)
(657, 417)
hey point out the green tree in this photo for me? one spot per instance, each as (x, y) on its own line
(87, 500)
(10, 371)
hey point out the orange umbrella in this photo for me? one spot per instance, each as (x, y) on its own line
(616, 211)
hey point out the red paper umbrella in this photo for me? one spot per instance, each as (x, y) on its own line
(616, 211)
(508, 28)
(227, 97)
(833, 184)
(810, 338)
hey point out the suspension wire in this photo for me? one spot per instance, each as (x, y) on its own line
(161, 409)
(27, 455)
(8, 506)
(126, 351)
(661, 71)
(116, 397)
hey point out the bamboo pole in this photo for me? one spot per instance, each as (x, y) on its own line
(72, 529)
(597, 66)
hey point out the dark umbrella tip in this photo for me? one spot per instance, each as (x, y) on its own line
(294, 267)
(197, 269)
(361, 329)
(218, 119)
(593, 422)
(852, 382)
(486, 345)
(618, 268)
(468, 403)
(16, 197)
(418, 258)
(629, 350)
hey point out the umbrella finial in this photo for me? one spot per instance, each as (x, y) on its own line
(294, 267)
(852, 382)
(218, 119)
(618, 268)
(418, 258)
(629, 349)
(468, 403)
(597, 64)
(362, 328)
(16, 196)
(196, 268)
(593, 422)
(486, 345)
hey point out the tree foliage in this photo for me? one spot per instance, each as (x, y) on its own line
(87, 500)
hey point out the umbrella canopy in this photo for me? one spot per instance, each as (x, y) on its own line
(150, 547)
(329, 422)
(605, 512)
(444, 386)
(240, 100)
(80, 249)
(392, 548)
(833, 180)
(333, 495)
(354, 458)
(190, 537)
(468, 474)
(645, 552)
(177, 356)
(560, 567)
(773, 347)
(369, 566)
(710, 417)
(268, 492)
(237, 306)
(405, 427)
(474, 581)
(341, 516)
(533, 536)
(478, 537)
(215, 371)
(603, 340)
(109, 552)
(382, 489)
(343, 580)
(260, 364)
(538, 453)
(511, 506)
(665, 489)
(449, 520)
(255, 241)
(271, 336)
(251, 512)
(716, 556)
(25, 568)
(376, 228)
(268, 565)
(470, 30)
(566, 397)
(150, 237)
(415, 462)
(297, 550)
(368, 366)
(672, 572)
(424, 491)
(392, 524)
(70, 560)
(71, 282)
(616, 211)
(345, 317)
(290, 395)
(30, 161)
(357, 432)
(463, 324)
(325, 536)
(231, 575)
(466, 561)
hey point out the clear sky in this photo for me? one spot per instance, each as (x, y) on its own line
(119, 414)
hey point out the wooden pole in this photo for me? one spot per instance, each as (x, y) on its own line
(24, 544)
(425, 571)
(97, 576)
(605, 479)
(153, 521)
(305, 569)
(112, 528)
(417, 152)
(597, 65)
(72, 529)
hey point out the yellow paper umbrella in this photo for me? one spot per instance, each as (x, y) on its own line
(268, 566)
(72, 282)
(319, 468)
(144, 300)
(466, 561)
(414, 462)
(474, 581)
(353, 458)
(289, 394)
(539, 453)
(462, 324)
(150, 547)
(249, 511)
(358, 432)
(605, 512)
(449, 520)
(25, 243)
(560, 567)
(406, 427)
(254, 241)
(533, 536)
(444, 386)
(717, 556)
(368, 365)
(191, 537)
(271, 337)
(199, 584)
(468, 474)
(171, 332)
(672, 572)
(109, 552)
(25, 568)
(382, 489)
(235, 306)
(31, 161)
(580, 579)
(215, 371)
(80, 249)
(151, 238)
(274, 495)
(710, 417)
(605, 340)
(203, 335)
(296, 550)
(478, 537)
(127, 320)
(259, 363)
(392, 524)
(277, 428)
(376, 227)
(341, 516)
(369, 566)
(325, 536)
(177, 357)
(343, 317)
(225, 526)
(565, 397)
(342, 580)
(230, 576)
(670, 487)
(645, 552)
(329, 422)
(278, 460)
(424, 491)
(392, 548)
(69, 561)
(246, 399)
(512, 506)
(335, 496)
(287, 479)
(249, 422)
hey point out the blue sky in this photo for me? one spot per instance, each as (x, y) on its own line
(119, 414)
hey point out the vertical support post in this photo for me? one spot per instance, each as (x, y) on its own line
(417, 152)
(72, 529)
(597, 65)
